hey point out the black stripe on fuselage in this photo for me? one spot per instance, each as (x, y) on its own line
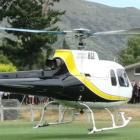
(64, 87)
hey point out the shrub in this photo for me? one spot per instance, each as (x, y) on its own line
(7, 68)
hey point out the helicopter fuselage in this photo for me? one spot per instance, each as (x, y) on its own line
(74, 76)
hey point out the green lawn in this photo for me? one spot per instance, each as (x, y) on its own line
(17, 130)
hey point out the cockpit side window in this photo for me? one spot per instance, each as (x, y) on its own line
(113, 78)
(122, 78)
(57, 66)
(55, 63)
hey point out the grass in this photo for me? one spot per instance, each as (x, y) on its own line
(17, 130)
(23, 130)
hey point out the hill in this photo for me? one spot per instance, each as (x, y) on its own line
(98, 17)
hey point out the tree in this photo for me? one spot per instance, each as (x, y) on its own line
(131, 54)
(26, 51)
(4, 59)
(65, 45)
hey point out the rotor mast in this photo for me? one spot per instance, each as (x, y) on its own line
(81, 34)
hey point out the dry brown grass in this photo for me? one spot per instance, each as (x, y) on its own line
(102, 115)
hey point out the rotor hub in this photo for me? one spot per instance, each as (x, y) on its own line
(81, 34)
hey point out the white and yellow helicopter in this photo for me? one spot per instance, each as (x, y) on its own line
(75, 78)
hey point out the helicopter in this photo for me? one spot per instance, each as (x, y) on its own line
(76, 78)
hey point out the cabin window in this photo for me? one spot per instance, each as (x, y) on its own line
(113, 78)
(122, 78)
(137, 71)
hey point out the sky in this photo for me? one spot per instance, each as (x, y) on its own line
(119, 3)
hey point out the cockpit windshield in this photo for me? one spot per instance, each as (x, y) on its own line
(122, 78)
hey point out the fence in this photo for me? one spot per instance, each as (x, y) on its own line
(28, 108)
(31, 109)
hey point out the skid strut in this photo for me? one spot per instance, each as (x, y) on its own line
(61, 116)
(114, 126)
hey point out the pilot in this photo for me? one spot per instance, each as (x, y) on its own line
(53, 64)
(58, 62)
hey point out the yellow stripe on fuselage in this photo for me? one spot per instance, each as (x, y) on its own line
(67, 57)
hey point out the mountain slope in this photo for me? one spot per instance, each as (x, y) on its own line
(98, 17)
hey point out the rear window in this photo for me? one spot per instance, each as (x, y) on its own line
(137, 71)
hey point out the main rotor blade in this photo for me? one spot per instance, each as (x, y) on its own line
(134, 31)
(34, 31)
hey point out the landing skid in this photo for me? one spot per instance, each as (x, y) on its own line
(114, 126)
(94, 129)
(62, 110)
